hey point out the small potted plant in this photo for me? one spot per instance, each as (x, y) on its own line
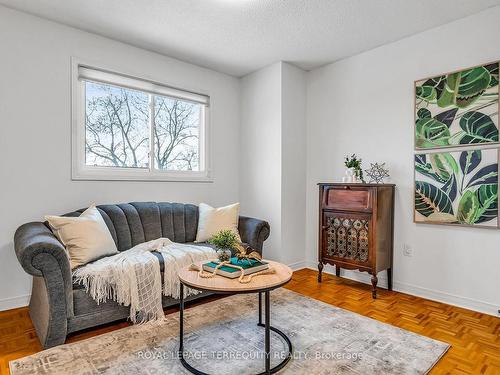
(354, 173)
(224, 241)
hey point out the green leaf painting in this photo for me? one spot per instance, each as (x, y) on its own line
(430, 199)
(457, 187)
(457, 109)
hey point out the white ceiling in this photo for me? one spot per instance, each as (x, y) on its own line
(241, 36)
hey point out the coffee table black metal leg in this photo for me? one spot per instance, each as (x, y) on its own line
(181, 334)
(181, 318)
(260, 308)
(268, 333)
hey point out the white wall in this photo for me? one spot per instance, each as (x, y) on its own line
(260, 151)
(364, 104)
(293, 154)
(272, 163)
(35, 131)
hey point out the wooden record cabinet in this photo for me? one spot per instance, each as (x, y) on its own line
(356, 228)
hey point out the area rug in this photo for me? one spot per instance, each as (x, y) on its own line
(221, 337)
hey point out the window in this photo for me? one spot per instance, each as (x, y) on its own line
(126, 128)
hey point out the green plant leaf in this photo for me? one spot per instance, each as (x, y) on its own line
(493, 69)
(469, 160)
(447, 117)
(430, 132)
(464, 88)
(444, 165)
(479, 128)
(450, 90)
(437, 83)
(224, 239)
(424, 168)
(450, 188)
(433, 132)
(421, 158)
(427, 93)
(486, 175)
(468, 208)
(430, 199)
(424, 113)
(487, 196)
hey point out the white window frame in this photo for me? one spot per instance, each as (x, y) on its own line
(97, 73)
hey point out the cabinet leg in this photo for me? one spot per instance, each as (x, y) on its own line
(320, 271)
(389, 279)
(337, 271)
(374, 286)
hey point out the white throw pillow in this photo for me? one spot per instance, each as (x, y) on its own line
(86, 237)
(212, 220)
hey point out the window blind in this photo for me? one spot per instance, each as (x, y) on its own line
(96, 75)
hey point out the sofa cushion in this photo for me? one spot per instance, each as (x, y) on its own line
(213, 220)
(86, 238)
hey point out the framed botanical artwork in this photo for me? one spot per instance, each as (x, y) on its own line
(457, 188)
(457, 109)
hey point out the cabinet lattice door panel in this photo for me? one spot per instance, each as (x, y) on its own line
(347, 238)
(356, 228)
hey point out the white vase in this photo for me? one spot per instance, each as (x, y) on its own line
(350, 175)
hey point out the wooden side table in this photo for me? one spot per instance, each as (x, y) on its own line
(356, 228)
(262, 285)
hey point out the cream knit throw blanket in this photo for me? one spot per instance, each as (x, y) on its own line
(132, 278)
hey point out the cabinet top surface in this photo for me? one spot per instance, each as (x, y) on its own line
(353, 184)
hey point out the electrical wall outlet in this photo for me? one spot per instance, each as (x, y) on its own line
(407, 250)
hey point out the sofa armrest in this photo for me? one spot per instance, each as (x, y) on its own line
(33, 239)
(253, 232)
(41, 254)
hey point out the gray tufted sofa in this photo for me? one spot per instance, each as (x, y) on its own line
(58, 306)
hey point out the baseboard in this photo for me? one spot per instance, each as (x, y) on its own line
(414, 290)
(298, 265)
(14, 302)
(450, 299)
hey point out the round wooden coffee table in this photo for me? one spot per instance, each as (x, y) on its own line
(262, 284)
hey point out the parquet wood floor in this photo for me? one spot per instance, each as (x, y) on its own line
(475, 337)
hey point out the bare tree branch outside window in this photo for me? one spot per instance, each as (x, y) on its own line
(176, 134)
(117, 126)
(118, 129)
